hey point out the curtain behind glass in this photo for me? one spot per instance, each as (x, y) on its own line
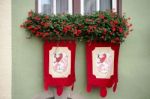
(105, 5)
(62, 6)
(47, 6)
(89, 6)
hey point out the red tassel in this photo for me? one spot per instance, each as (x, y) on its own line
(103, 92)
(88, 88)
(115, 87)
(72, 87)
(59, 90)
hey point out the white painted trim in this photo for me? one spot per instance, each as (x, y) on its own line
(82, 7)
(39, 6)
(5, 50)
(114, 5)
(54, 6)
(97, 5)
(70, 7)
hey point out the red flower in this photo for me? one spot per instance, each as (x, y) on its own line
(115, 22)
(66, 28)
(33, 31)
(98, 22)
(105, 21)
(39, 27)
(37, 18)
(38, 34)
(57, 32)
(46, 17)
(77, 32)
(103, 38)
(101, 16)
(45, 34)
(104, 30)
(29, 27)
(28, 21)
(117, 39)
(88, 31)
(111, 33)
(46, 25)
(113, 29)
(42, 23)
(36, 28)
(112, 41)
(111, 23)
(120, 29)
(69, 27)
(86, 20)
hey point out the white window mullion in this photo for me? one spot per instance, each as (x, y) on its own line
(114, 5)
(97, 5)
(54, 6)
(39, 6)
(82, 7)
(70, 6)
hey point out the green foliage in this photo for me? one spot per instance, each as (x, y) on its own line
(99, 26)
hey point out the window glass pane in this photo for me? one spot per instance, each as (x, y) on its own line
(62, 6)
(89, 6)
(47, 6)
(105, 5)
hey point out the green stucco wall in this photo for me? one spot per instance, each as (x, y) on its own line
(134, 58)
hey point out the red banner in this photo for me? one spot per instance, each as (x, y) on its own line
(102, 66)
(59, 64)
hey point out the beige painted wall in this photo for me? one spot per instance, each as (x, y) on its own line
(5, 49)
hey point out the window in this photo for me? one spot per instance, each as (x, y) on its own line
(54, 6)
(77, 6)
(88, 6)
(45, 6)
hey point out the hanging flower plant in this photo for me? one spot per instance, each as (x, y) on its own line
(99, 26)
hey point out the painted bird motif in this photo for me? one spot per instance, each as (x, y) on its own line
(102, 57)
(58, 59)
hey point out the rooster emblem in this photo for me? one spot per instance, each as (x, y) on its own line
(60, 62)
(102, 58)
(58, 59)
(102, 63)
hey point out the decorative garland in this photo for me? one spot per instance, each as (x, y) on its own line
(99, 26)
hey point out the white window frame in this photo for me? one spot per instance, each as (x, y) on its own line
(114, 6)
(39, 6)
(70, 7)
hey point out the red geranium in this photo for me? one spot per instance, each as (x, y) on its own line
(77, 32)
(37, 18)
(120, 29)
(101, 16)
